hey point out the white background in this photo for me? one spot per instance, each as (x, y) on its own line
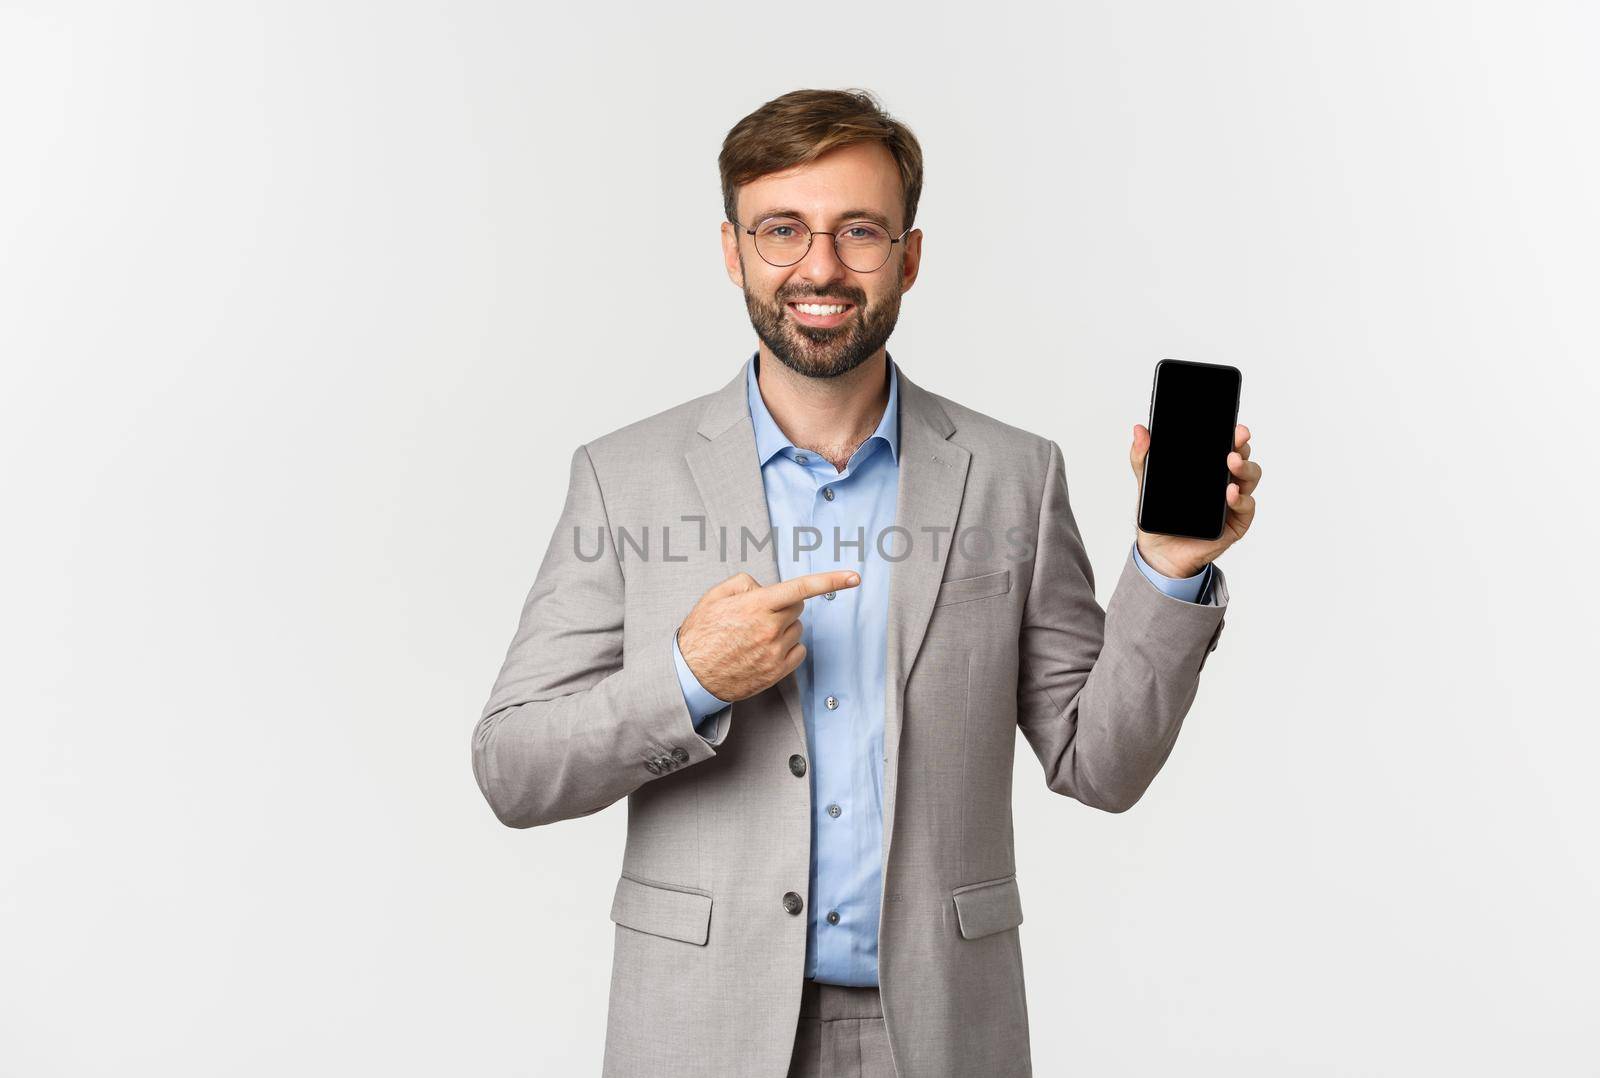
(303, 308)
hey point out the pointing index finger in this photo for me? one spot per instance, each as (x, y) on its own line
(788, 592)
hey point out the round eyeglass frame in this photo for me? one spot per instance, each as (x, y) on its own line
(811, 237)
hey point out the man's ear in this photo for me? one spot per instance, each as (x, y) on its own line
(911, 264)
(730, 254)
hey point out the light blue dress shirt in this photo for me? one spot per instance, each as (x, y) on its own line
(841, 681)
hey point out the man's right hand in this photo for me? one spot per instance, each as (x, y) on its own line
(741, 638)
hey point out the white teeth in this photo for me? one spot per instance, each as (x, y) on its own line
(817, 308)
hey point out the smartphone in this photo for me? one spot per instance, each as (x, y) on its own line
(1193, 410)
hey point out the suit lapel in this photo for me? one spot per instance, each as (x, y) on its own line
(725, 469)
(933, 477)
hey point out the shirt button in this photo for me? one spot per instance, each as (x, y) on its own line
(834, 810)
(827, 492)
(801, 458)
(833, 917)
(827, 595)
(793, 902)
(832, 702)
(797, 764)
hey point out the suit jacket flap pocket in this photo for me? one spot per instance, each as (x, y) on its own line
(662, 911)
(989, 907)
(974, 587)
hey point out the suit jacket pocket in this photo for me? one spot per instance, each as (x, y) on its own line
(974, 587)
(662, 910)
(985, 908)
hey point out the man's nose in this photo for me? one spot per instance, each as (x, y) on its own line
(821, 263)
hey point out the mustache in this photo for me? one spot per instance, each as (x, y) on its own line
(848, 295)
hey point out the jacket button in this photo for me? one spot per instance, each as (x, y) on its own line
(797, 764)
(680, 754)
(792, 902)
(652, 767)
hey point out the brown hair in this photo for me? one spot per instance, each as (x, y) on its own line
(801, 126)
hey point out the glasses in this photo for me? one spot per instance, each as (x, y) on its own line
(861, 245)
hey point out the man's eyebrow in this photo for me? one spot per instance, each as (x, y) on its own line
(847, 215)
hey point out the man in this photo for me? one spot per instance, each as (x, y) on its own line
(809, 686)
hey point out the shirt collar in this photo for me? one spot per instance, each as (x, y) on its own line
(771, 440)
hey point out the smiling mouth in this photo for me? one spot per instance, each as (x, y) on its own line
(820, 314)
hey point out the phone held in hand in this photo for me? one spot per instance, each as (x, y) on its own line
(1193, 410)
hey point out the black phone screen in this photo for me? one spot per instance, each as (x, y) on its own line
(1193, 410)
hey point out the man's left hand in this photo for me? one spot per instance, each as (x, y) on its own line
(1177, 556)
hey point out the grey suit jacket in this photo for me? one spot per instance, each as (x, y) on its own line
(587, 710)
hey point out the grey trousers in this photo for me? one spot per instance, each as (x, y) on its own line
(841, 1034)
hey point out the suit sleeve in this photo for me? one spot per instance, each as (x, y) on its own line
(1101, 694)
(573, 724)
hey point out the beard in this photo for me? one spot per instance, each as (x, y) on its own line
(823, 353)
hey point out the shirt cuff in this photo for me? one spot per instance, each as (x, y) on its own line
(702, 705)
(1189, 589)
